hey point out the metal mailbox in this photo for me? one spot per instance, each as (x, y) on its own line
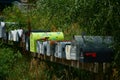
(10, 36)
(67, 51)
(74, 51)
(2, 29)
(39, 46)
(44, 48)
(50, 48)
(13, 36)
(60, 49)
(94, 48)
(26, 37)
(49, 35)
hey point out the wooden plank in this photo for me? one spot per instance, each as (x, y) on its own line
(95, 68)
(44, 57)
(73, 63)
(52, 58)
(78, 64)
(100, 71)
(38, 56)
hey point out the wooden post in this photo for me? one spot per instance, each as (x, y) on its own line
(44, 57)
(78, 64)
(52, 58)
(82, 67)
(95, 67)
(72, 63)
(38, 55)
(41, 56)
(34, 67)
(104, 67)
(55, 59)
(63, 61)
(99, 75)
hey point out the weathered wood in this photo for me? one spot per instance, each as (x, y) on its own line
(39, 55)
(92, 67)
(52, 58)
(44, 57)
(73, 63)
(78, 64)
(95, 68)
(47, 58)
(105, 67)
(67, 62)
(100, 71)
(34, 67)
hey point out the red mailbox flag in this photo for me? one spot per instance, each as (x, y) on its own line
(92, 54)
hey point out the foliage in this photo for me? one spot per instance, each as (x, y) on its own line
(58, 14)
(13, 66)
(14, 14)
(7, 60)
(73, 17)
(93, 17)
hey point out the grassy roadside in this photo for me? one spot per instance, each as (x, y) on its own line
(15, 66)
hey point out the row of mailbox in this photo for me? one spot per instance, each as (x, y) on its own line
(93, 49)
(82, 48)
(12, 35)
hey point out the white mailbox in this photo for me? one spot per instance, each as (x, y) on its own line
(60, 49)
(51, 48)
(2, 29)
(39, 47)
(67, 51)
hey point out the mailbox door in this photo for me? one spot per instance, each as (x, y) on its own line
(1, 31)
(52, 48)
(44, 47)
(39, 47)
(56, 51)
(59, 50)
(48, 48)
(73, 53)
(67, 51)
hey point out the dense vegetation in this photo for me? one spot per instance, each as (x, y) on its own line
(92, 17)
(14, 66)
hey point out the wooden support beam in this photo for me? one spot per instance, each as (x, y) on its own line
(100, 72)
(52, 58)
(39, 56)
(44, 57)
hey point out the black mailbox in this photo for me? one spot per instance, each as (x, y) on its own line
(94, 48)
